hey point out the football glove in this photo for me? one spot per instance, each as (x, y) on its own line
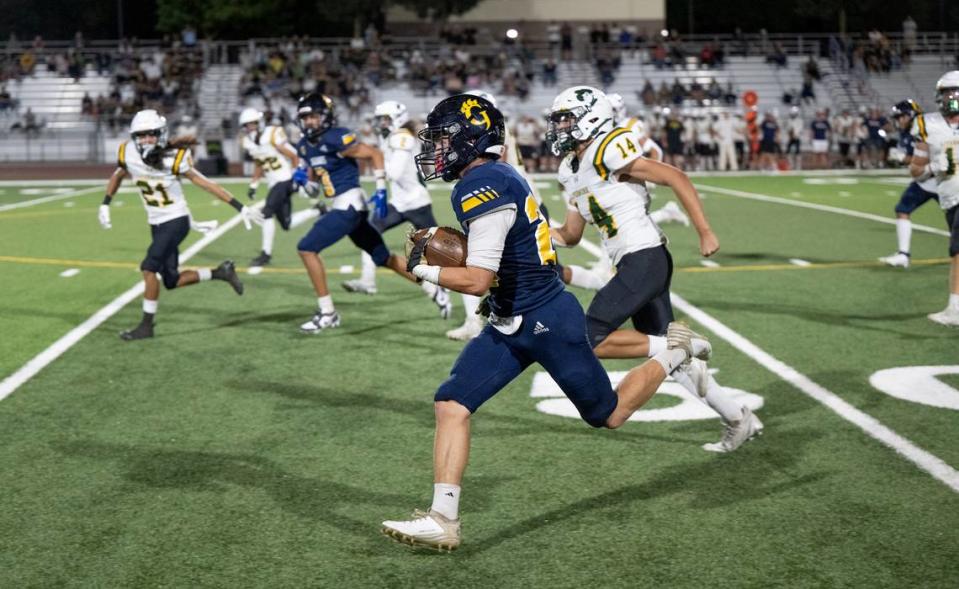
(378, 200)
(204, 226)
(250, 214)
(103, 215)
(300, 177)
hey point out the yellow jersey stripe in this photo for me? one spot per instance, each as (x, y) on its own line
(598, 160)
(122, 155)
(471, 203)
(273, 137)
(177, 160)
(922, 127)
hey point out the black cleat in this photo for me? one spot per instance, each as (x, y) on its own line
(142, 331)
(227, 271)
(261, 260)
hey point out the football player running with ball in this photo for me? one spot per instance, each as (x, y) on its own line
(330, 152)
(409, 199)
(156, 165)
(937, 152)
(274, 159)
(603, 175)
(533, 319)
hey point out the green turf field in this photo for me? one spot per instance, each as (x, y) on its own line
(232, 451)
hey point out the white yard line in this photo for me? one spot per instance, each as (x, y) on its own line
(873, 428)
(925, 461)
(39, 201)
(57, 348)
(817, 207)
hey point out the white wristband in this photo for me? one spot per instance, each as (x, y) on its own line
(380, 177)
(920, 153)
(427, 273)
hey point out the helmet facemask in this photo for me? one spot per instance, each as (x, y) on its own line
(383, 124)
(150, 151)
(563, 133)
(948, 101)
(444, 148)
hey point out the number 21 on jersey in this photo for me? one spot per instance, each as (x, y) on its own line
(544, 244)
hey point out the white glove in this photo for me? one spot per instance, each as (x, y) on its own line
(251, 214)
(204, 226)
(103, 215)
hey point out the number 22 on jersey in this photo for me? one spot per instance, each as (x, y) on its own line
(543, 242)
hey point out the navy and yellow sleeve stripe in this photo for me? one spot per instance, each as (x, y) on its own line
(180, 154)
(921, 122)
(601, 168)
(122, 155)
(477, 197)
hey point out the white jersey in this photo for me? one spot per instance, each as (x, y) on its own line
(650, 148)
(406, 191)
(512, 156)
(943, 141)
(264, 151)
(618, 209)
(160, 187)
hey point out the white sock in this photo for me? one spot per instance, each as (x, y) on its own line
(205, 274)
(904, 234)
(325, 304)
(446, 500)
(670, 359)
(368, 273)
(954, 301)
(470, 304)
(150, 306)
(657, 344)
(269, 232)
(657, 216)
(429, 288)
(722, 402)
(584, 278)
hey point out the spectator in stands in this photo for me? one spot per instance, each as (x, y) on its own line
(566, 36)
(778, 56)
(553, 36)
(549, 72)
(528, 134)
(807, 95)
(87, 106)
(677, 93)
(27, 62)
(648, 94)
(811, 69)
(821, 136)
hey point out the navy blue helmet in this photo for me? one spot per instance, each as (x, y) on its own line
(310, 104)
(908, 107)
(458, 130)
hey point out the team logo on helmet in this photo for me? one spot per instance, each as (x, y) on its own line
(467, 110)
(581, 95)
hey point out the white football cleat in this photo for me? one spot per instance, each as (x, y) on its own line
(897, 260)
(737, 433)
(427, 529)
(360, 286)
(470, 329)
(321, 321)
(442, 299)
(948, 316)
(671, 213)
(679, 335)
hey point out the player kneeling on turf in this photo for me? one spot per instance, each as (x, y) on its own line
(532, 318)
(156, 165)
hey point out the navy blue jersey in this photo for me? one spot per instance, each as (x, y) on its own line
(336, 173)
(820, 129)
(527, 276)
(907, 142)
(769, 129)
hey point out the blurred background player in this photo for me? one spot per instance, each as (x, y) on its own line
(604, 171)
(794, 129)
(331, 154)
(274, 158)
(155, 165)
(769, 142)
(919, 191)
(821, 132)
(409, 200)
(935, 151)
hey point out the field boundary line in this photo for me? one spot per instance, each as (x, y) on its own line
(818, 207)
(11, 383)
(926, 461)
(55, 197)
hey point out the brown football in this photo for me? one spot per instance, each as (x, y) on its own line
(446, 248)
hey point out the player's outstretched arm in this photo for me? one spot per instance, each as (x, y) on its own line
(643, 169)
(249, 214)
(919, 164)
(113, 184)
(571, 232)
